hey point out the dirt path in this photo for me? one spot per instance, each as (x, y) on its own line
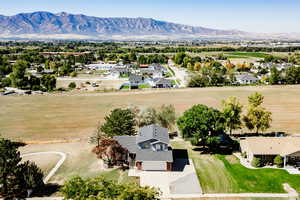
(56, 167)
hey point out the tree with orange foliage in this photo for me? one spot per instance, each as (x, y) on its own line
(110, 151)
(229, 66)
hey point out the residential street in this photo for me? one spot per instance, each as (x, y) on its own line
(180, 74)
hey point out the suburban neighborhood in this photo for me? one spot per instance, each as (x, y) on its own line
(149, 100)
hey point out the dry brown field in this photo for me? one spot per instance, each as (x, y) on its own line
(75, 115)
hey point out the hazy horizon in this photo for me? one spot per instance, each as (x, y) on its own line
(273, 16)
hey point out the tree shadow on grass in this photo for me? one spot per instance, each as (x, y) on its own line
(223, 150)
(48, 190)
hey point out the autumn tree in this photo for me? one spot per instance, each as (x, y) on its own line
(147, 117)
(164, 116)
(232, 110)
(257, 117)
(255, 99)
(110, 151)
(197, 66)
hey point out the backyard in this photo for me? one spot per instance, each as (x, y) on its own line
(224, 174)
(80, 161)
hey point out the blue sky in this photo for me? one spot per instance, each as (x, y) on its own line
(268, 16)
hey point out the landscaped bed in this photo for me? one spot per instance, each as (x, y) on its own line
(224, 174)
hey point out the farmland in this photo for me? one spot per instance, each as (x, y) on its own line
(61, 117)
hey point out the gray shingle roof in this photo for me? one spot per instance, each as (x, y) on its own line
(153, 132)
(128, 142)
(149, 155)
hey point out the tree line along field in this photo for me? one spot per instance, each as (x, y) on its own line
(73, 116)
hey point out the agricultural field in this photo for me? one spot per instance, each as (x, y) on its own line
(224, 174)
(82, 83)
(75, 116)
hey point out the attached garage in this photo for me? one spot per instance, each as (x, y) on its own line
(154, 165)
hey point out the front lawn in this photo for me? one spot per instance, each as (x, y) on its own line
(120, 176)
(144, 86)
(224, 174)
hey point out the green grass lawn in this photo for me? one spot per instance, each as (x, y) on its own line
(224, 174)
(120, 176)
(144, 86)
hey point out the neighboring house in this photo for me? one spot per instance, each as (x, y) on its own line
(149, 150)
(158, 67)
(246, 78)
(48, 71)
(155, 70)
(135, 80)
(160, 83)
(122, 70)
(157, 74)
(103, 66)
(267, 148)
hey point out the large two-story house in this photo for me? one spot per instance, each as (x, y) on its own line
(149, 149)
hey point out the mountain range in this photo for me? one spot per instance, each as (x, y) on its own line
(46, 25)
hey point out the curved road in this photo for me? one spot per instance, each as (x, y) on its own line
(56, 167)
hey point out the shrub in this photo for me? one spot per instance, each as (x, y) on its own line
(278, 161)
(88, 83)
(256, 162)
(194, 141)
(73, 74)
(100, 188)
(72, 85)
(244, 155)
(61, 89)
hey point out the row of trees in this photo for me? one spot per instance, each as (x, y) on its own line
(17, 179)
(125, 121)
(209, 72)
(289, 76)
(125, 47)
(18, 78)
(203, 123)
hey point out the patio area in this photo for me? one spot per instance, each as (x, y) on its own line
(291, 169)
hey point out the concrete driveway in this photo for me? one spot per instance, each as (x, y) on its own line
(173, 182)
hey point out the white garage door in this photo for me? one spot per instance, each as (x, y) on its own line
(154, 165)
